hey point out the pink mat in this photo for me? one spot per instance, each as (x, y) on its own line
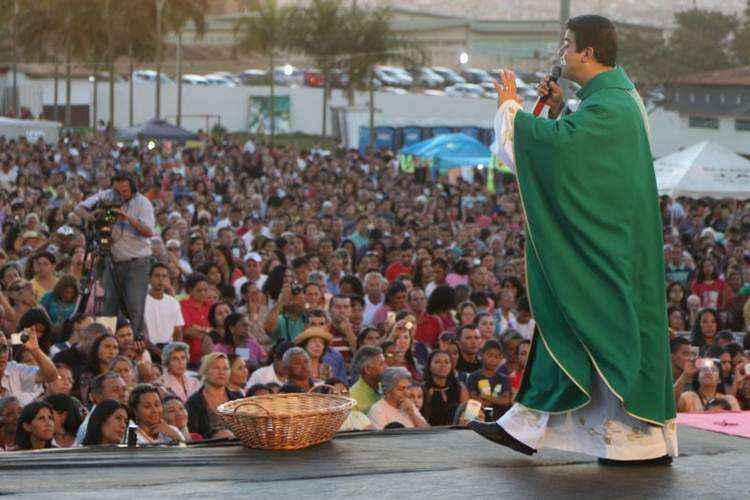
(736, 423)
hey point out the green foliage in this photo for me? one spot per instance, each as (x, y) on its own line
(701, 41)
(741, 44)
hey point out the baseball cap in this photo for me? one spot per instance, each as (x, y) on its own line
(254, 256)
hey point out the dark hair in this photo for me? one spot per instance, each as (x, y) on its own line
(700, 277)
(353, 282)
(94, 353)
(725, 335)
(192, 280)
(212, 312)
(442, 299)
(698, 339)
(362, 335)
(676, 343)
(492, 344)
(155, 266)
(38, 316)
(99, 415)
(274, 282)
(135, 398)
(451, 383)
(39, 255)
(460, 330)
(231, 320)
(253, 389)
(63, 283)
(61, 402)
(29, 413)
(598, 33)
(394, 288)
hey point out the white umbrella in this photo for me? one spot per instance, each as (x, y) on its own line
(705, 170)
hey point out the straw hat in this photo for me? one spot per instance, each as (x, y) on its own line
(314, 331)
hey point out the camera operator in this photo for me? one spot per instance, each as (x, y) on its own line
(131, 248)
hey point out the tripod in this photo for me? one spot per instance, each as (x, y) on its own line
(98, 259)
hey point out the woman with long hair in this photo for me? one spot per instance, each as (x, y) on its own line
(61, 301)
(67, 415)
(441, 303)
(443, 392)
(40, 270)
(402, 336)
(107, 424)
(36, 427)
(708, 285)
(705, 328)
(709, 392)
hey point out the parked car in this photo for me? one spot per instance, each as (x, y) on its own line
(194, 80)
(394, 90)
(149, 76)
(425, 77)
(464, 90)
(476, 75)
(449, 75)
(221, 80)
(254, 77)
(393, 77)
(314, 78)
(104, 77)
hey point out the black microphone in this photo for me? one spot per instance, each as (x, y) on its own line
(553, 77)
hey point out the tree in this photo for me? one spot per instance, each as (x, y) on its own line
(265, 32)
(175, 17)
(642, 53)
(741, 44)
(316, 31)
(65, 25)
(371, 41)
(701, 41)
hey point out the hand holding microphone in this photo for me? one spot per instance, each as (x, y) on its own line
(550, 94)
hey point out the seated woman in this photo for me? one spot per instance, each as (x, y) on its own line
(708, 390)
(396, 405)
(176, 415)
(402, 336)
(67, 416)
(36, 427)
(103, 350)
(316, 341)
(107, 424)
(61, 301)
(125, 369)
(238, 340)
(10, 411)
(238, 373)
(148, 413)
(174, 358)
(443, 392)
(201, 406)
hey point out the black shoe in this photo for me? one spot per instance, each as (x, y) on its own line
(495, 433)
(665, 460)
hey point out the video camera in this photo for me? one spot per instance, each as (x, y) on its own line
(105, 216)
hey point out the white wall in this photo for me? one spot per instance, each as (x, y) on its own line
(670, 132)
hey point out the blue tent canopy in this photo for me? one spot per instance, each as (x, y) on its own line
(450, 150)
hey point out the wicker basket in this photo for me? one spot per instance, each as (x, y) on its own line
(286, 421)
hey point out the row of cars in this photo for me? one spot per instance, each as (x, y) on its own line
(439, 80)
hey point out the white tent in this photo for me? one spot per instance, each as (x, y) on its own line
(703, 170)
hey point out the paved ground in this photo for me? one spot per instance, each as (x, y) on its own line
(397, 464)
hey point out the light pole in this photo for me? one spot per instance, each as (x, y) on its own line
(159, 7)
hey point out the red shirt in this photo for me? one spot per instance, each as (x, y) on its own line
(395, 270)
(195, 313)
(429, 328)
(711, 294)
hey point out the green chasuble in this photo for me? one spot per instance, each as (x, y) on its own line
(594, 258)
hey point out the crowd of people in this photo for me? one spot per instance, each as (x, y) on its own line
(273, 270)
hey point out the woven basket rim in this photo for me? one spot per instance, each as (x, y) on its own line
(342, 403)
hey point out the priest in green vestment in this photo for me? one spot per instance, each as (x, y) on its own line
(598, 379)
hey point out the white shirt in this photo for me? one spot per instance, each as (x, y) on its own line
(19, 380)
(265, 375)
(369, 312)
(382, 414)
(162, 317)
(526, 330)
